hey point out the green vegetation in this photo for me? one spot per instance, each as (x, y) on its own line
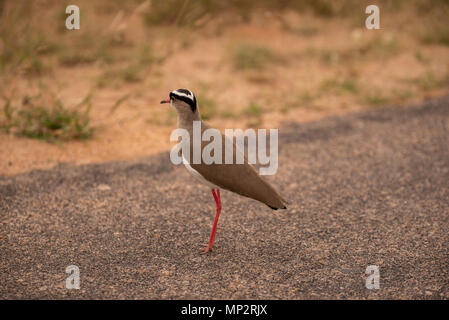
(435, 27)
(253, 109)
(207, 105)
(385, 46)
(379, 47)
(164, 119)
(227, 114)
(253, 112)
(375, 99)
(22, 47)
(304, 99)
(339, 86)
(195, 13)
(428, 81)
(247, 56)
(300, 100)
(401, 95)
(126, 56)
(349, 85)
(71, 59)
(138, 63)
(436, 36)
(420, 57)
(24, 53)
(259, 77)
(85, 48)
(52, 123)
(119, 102)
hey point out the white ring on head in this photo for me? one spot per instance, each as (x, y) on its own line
(183, 94)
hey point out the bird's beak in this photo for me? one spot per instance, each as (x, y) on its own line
(165, 101)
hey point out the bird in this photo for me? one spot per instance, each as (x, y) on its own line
(242, 179)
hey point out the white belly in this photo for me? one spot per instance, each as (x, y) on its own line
(197, 175)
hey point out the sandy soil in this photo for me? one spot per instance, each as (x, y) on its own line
(140, 126)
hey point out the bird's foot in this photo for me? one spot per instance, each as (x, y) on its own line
(206, 249)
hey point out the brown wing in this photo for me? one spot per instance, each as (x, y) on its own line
(242, 179)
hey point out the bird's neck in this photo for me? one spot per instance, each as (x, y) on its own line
(185, 120)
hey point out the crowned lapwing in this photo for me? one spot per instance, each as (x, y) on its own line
(242, 179)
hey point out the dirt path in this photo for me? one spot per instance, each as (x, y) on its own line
(365, 189)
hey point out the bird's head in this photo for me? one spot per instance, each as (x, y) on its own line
(182, 100)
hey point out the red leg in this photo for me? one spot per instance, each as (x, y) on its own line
(217, 215)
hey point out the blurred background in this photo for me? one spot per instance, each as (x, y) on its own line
(92, 95)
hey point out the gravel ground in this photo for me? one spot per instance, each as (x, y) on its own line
(369, 188)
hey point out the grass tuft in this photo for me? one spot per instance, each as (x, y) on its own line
(429, 82)
(197, 13)
(376, 100)
(139, 64)
(436, 33)
(253, 109)
(340, 86)
(52, 123)
(207, 105)
(248, 56)
(383, 47)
